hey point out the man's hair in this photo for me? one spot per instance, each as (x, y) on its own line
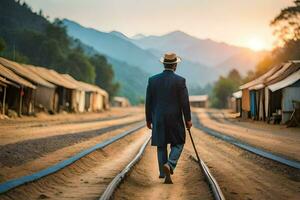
(169, 66)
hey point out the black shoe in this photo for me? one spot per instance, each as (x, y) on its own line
(167, 170)
(160, 176)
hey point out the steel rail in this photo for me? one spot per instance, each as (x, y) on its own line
(258, 151)
(217, 192)
(11, 184)
(109, 191)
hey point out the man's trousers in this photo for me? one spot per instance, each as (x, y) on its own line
(171, 160)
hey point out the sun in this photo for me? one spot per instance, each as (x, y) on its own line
(256, 44)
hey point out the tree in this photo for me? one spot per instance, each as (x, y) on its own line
(104, 74)
(224, 88)
(287, 23)
(79, 66)
(2, 45)
(235, 76)
(287, 29)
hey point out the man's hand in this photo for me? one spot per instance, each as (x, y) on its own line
(149, 125)
(189, 124)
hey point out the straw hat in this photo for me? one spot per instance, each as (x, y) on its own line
(170, 58)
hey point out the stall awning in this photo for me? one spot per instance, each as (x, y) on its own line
(261, 79)
(285, 82)
(237, 94)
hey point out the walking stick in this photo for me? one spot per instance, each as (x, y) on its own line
(198, 158)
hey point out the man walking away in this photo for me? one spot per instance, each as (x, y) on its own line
(167, 101)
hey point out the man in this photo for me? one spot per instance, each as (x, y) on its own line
(167, 101)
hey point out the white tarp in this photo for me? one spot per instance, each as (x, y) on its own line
(237, 94)
(285, 82)
(198, 98)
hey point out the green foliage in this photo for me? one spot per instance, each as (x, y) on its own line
(287, 23)
(79, 66)
(198, 90)
(2, 44)
(224, 88)
(30, 38)
(105, 74)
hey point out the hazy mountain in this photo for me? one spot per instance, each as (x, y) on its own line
(138, 36)
(119, 34)
(242, 61)
(204, 51)
(133, 81)
(117, 46)
(114, 46)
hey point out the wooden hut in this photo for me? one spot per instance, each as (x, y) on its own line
(64, 88)
(252, 95)
(78, 95)
(200, 101)
(96, 99)
(13, 93)
(284, 92)
(120, 102)
(44, 90)
(236, 102)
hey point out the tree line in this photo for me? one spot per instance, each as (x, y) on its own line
(29, 37)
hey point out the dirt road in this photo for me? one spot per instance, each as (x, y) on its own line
(277, 139)
(143, 181)
(242, 175)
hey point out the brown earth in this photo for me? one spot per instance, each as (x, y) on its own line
(143, 181)
(242, 175)
(88, 177)
(277, 139)
(14, 135)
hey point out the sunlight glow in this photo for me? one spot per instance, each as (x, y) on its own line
(256, 44)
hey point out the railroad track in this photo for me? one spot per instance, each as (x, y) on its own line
(35, 178)
(245, 146)
(14, 183)
(121, 177)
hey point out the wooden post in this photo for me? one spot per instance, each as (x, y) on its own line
(3, 102)
(21, 101)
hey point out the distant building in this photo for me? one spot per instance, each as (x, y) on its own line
(235, 102)
(200, 101)
(120, 102)
(26, 89)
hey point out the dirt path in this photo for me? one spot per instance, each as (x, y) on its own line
(242, 175)
(86, 178)
(15, 135)
(279, 141)
(143, 181)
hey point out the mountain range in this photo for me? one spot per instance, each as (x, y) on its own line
(136, 58)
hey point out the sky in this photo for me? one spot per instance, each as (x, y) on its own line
(238, 22)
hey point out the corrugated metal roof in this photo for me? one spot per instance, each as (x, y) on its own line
(24, 72)
(53, 77)
(261, 79)
(292, 68)
(14, 77)
(237, 94)
(293, 78)
(196, 98)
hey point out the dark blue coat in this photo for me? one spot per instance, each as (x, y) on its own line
(167, 101)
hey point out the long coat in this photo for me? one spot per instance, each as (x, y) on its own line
(167, 101)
